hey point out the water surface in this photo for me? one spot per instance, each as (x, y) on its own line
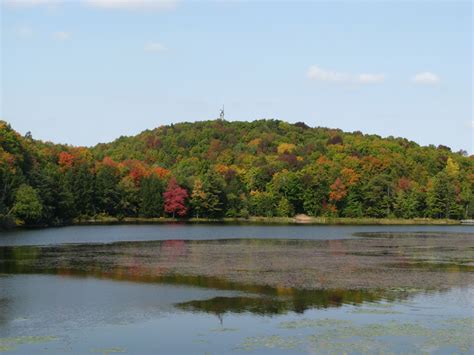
(173, 231)
(184, 289)
(83, 315)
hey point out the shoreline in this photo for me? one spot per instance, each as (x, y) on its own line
(269, 221)
(281, 221)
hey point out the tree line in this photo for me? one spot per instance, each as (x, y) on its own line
(217, 169)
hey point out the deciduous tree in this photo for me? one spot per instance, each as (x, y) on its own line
(175, 199)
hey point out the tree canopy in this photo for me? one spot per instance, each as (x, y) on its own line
(219, 169)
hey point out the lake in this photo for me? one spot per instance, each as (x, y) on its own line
(243, 289)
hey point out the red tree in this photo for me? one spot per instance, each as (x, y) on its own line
(65, 160)
(175, 197)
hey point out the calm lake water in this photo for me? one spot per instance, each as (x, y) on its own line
(55, 308)
(176, 231)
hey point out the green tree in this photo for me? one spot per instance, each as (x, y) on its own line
(284, 208)
(130, 198)
(354, 207)
(214, 203)
(107, 192)
(377, 194)
(151, 199)
(80, 181)
(57, 200)
(198, 198)
(207, 197)
(289, 185)
(315, 196)
(28, 206)
(406, 204)
(262, 204)
(441, 197)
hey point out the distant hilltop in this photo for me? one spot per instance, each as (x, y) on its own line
(217, 169)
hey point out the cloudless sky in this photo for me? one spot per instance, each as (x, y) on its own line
(89, 71)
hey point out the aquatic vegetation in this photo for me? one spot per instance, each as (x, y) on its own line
(224, 330)
(374, 311)
(297, 269)
(6, 347)
(312, 323)
(107, 351)
(340, 336)
(8, 344)
(268, 281)
(461, 322)
(271, 341)
(381, 304)
(328, 345)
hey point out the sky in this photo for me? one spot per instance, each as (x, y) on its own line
(88, 71)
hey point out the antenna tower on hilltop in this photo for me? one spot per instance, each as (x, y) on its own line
(222, 114)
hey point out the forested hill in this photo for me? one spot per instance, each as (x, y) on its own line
(233, 169)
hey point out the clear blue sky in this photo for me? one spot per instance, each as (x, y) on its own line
(88, 71)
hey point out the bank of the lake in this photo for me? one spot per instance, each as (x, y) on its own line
(8, 223)
(303, 219)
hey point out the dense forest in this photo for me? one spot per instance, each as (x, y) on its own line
(216, 169)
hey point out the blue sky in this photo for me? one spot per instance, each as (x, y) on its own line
(88, 71)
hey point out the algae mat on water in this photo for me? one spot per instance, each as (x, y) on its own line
(381, 261)
(8, 344)
(344, 336)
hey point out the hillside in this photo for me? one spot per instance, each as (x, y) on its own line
(233, 169)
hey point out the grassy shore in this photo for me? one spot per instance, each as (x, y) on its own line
(10, 223)
(270, 220)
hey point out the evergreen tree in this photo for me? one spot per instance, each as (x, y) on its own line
(406, 204)
(57, 200)
(151, 200)
(107, 191)
(354, 203)
(377, 197)
(80, 181)
(441, 197)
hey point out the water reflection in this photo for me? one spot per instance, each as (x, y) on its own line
(302, 287)
(157, 262)
(4, 304)
(297, 301)
(263, 300)
(115, 233)
(286, 275)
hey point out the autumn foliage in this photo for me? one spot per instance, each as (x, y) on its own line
(175, 199)
(233, 169)
(65, 160)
